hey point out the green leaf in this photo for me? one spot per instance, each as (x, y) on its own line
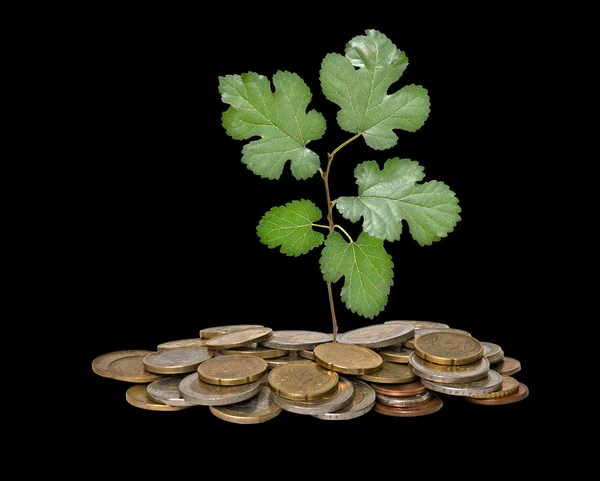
(279, 119)
(358, 83)
(367, 269)
(290, 226)
(386, 197)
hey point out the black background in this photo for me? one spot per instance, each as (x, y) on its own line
(165, 213)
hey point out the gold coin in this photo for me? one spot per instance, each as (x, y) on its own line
(137, 396)
(410, 343)
(232, 370)
(420, 324)
(279, 361)
(239, 338)
(177, 360)
(193, 342)
(211, 332)
(307, 354)
(101, 363)
(347, 358)
(508, 366)
(448, 348)
(519, 395)
(391, 373)
(303, 380)
(257, 409)
(509, 386)
(433, 405)
(264, 352)
(131, 369)
(397, 353)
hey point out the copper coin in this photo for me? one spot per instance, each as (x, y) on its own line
(521, 394)
(508, 366)
(430, 407)
(399, 390)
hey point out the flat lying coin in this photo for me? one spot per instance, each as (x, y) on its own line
(101, 363)
(521, 394)
(198, 392)
(509, 386)
(239, 338)
(508, 366)
(448, 348)
(377, 335)
(430, 407)
(211, 332)
(397, 353)
(420, 324)
(492, 382)
(307, 354)
(391, 373)
(410, 343)
(347, 358)
(281, 360)
(193, 342)
(449, 374)
(363, 400)
(232, 370)
(177, 360)
(400, 390)
(257, 409)
(404, 401)
(493, 352)
(166, 391)
(333, 401)
(131, 369)
(296, 340)
(138, 396)
(302, 380)
(254, 350)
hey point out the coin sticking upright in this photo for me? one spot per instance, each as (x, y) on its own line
(448, 348)
(363, 400)
(239, 338)
(177, 360)
(302, 380)
(296, 340)
(508, 366)
(257, 409)
(347, 358)
(232, 370)
(137, 396)
(391, 373)
(198, 392)
(100, 364)
(211, 332)
(131, 369)
(377, 335)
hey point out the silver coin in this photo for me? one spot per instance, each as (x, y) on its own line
(176, 360)
(296, 340)
(490, 383)
(404, 401)
(166, 391)
(420, 324)
(254, 410)
(199, 392)
(278, 361)
(193, 342)
(363, 400)
(377, 335)
(338, 399)
(211, 332)
(493, 352)
(396, 353)
(449, 374)
(410, 343)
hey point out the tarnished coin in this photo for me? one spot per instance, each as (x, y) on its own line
(377, 335)
(101, 363)
(449, 374)
(490, 383)
(404, 401)
(397, 353)
(448, 348)
(177, 360)
(493, 352)
(296, 340)
(509, 386)
(211, 332)
(508, 366)
(232, 370)
(131, 369)
(347, 358)
(410, 343)
(193, 342)
(137, 396)
(239, 338)
(420, 324)
(302, 380)
(333, 401)
(521, 394)
(432, 406)
(363, 400)
(400, 390)
(254, 350)
(391, 373)
(281, 360)
(198, 392)
(257, 409)
(307, 354)
(166, 391)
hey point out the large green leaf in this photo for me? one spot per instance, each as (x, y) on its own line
(290, 227)
(279, 119)
(386, 197)
(358, 83)
(367, 270)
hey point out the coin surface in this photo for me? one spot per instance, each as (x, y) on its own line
(281, 360)
(296, 340)
(177, 360)
(432, 406)
(166, 391)
(198, 392)
(302, 380)
(232, 370)
(449, 374)
(307, 354)
(493, 352)
(211, 332)
(131, 369)
(396, 353)
(400, 390)
(101, 363)
(509, 386)
(521, 394)
(492, 382)
(137, 396)
(448, 348)
(239, 338)
(254, 350)
(391, 373)
(508, 366)
(363, 400)
(193, 342)
(347, 358)
(420, 324)
(410, 343)
(257, 409)
(404, 401)
(339, 398)
(377, 335)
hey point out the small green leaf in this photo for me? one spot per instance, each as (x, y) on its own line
(358, 83)
(367, 269)
(386, 197)
(290, 226)
(279, 119)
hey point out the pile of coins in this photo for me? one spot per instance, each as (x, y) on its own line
(249, 374)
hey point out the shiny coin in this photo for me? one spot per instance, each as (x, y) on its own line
(131, 369)
(232, 370)
(509, 386)
(211, 332)
(166, 391)
(138, 396)
(404, 401)
(490, 383)
(302, 380)
(391, 373)
(493, 352)
(377, 335)
(521, 394)
(307, 354)
(257, 409)
(254, 350)
(430, 407)
(296, 340)
(101, 363)
(449, 374)
(508, 366)
(193, 342)
(198, 392)
(448, 348)
(239, 338)
(397, 353)
(363, 400)
(400, 390)
(280, 361)
(177, 360)
(420, 324)
(334, 401)
(347, 358)
(410, 343)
